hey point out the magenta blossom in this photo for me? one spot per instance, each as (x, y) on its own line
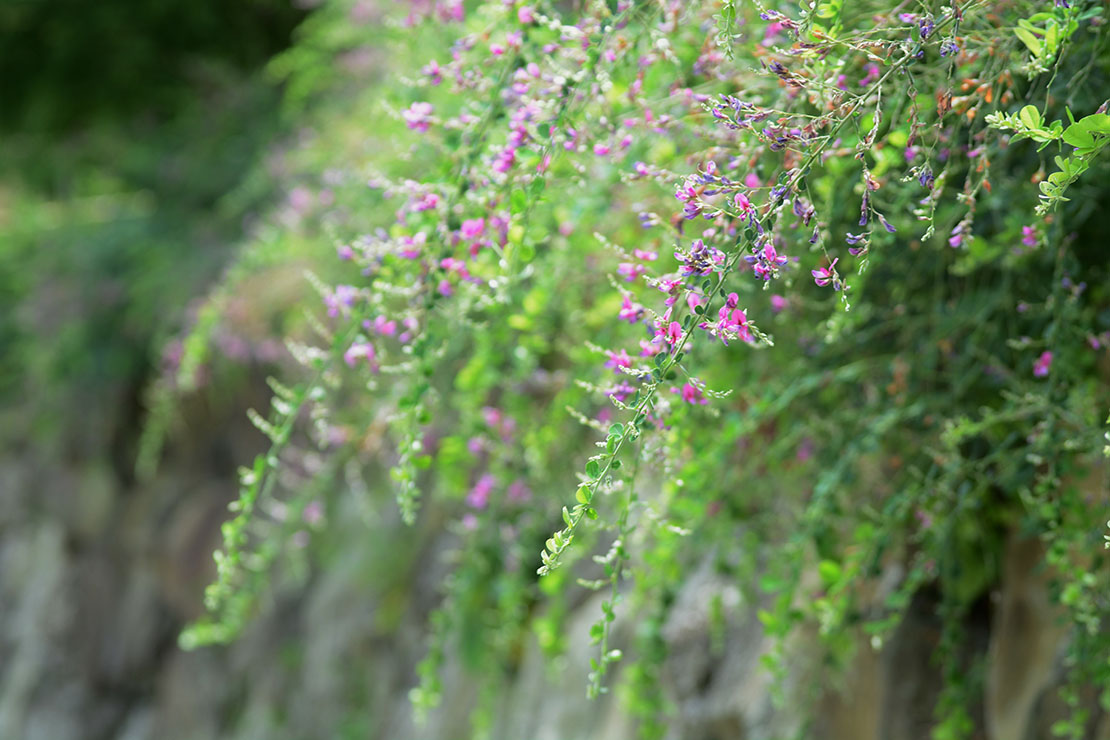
(767, 261)
(630, 312)
(360, 351)
(433, 71)
(630, 270)
(472, 228)
(418, 116)
(1043, 364)
(518, 491)
(341, 300)
(618, 360)
(747, 209)
(691, 394)
(824, 275)
(385, 326)
(732, 322)
(478, 498)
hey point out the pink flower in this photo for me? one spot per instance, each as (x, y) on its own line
(872, 74)
(472, 228)
(433, 71)
(646, 256)
(672, 334)
(1028, 236)
(618, 360)
(341, 300)
(426, 202)
(630, 312)
(478, 498)
(358, 351)
(418, 116)
(732, 322)
(1042, 365)
(630, 270)
(824, 275)
(778, 303)
(525, 15)
(455, 265)
(601, 149)
(411, 245)
(518, 491)
(751, 180)
(747, 210)
(504, 160)
(384, 326)
(691, 394)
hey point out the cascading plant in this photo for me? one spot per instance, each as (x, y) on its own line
(775, 273)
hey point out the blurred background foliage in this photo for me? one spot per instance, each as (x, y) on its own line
(133, 136)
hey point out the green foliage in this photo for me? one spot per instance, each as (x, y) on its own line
(923, 374)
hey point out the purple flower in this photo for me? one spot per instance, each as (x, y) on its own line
(700, 260)
(518, 491)
(872, 70)
(1028, 236)
(618, 360)
(472, 228)
(691, 395)
(766, 261)
(824, 275)
(478, 498)
(957, 236)
(630, 312)
(1042, 365)
(433, 71)
(358, 351)
(630, 270)
(418, 115)
(341, 299)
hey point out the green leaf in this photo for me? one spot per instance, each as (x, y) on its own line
(1029, 40)
(1030, 116)
(593, 469)
(1098, 123)
(1078, 136)
(518, 201)
(829, 571)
